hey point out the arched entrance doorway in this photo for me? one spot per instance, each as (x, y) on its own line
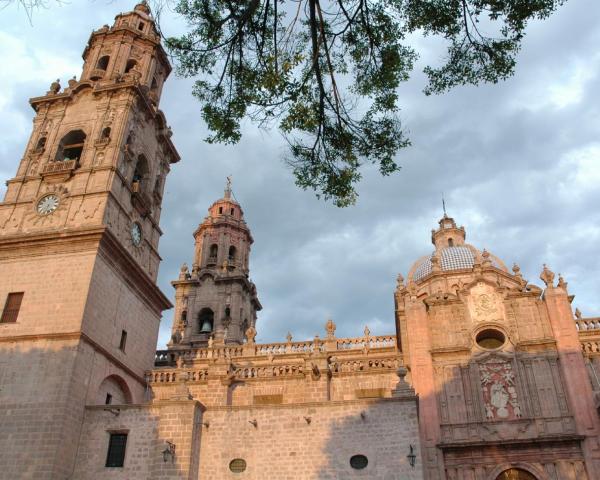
(515, 474)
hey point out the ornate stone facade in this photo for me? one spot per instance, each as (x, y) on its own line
(507, 381)
(498, 368)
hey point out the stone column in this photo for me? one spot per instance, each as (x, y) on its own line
(578, 386)
(422, 375)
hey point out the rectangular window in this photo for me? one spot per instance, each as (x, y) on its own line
(108, 399)
(123, 341)
(11, 307)
(116, 450)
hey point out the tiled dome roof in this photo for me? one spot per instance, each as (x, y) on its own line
(451, 251)
(451, 258)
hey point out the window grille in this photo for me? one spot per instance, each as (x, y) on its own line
(116, 450)
(11, 307)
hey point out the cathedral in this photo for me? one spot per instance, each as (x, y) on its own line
(486, 376)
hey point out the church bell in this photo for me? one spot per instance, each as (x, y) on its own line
(206, 326)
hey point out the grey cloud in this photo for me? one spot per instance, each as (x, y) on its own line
(498, 152)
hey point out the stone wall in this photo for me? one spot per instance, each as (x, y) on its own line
(278, 442)
(148, 428)
(312, 441)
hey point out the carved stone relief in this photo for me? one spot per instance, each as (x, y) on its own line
(499, 390)
(485, 304)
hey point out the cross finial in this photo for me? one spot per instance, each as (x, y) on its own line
(444, 205)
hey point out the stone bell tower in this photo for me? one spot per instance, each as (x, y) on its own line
(216, 299)
(79, 232)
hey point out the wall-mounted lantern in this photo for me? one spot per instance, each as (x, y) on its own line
(412, 458)
(169, 452)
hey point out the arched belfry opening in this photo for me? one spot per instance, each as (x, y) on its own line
(139, 174)
(71, 146)
(232, 254)
(206, 319)
(131, 64)
(103, 62)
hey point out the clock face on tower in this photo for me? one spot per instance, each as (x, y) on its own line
(47, 204)
(136, 234)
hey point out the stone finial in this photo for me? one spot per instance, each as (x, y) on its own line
(561, 282)
(547, 276)
(251, 334)
(211, 341)
(578, 314)
(402, 387)
(176, 337)
(518, 275)
(55, 87)
(330, 328)
(399, 282)
(225, 266)
(288, 337)
(367, 331)
(183, 272)
(195, 270)
(73, 81)
(516, 270)
(485, 256)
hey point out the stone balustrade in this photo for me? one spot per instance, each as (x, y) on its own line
(589, 335)
(591, 346)
(171, 376)
(171, 357)
(379, 341)
(584, 324)
(360, 365)
(59, 167)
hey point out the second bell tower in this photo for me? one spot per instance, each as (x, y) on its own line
(216, 301)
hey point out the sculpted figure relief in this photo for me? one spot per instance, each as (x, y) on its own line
(499, 391)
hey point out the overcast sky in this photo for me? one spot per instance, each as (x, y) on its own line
(518, 163)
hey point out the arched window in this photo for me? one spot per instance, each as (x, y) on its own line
(113, 390)
(205, 320)
(103, 62)
(71, 146)
(450, 242)
(232, 252)
(41, 144)
(105, 133)
(184, 318)
(214, 249)
(139, 174)
(130, 65)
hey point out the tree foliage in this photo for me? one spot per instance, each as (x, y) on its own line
(327, 72)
